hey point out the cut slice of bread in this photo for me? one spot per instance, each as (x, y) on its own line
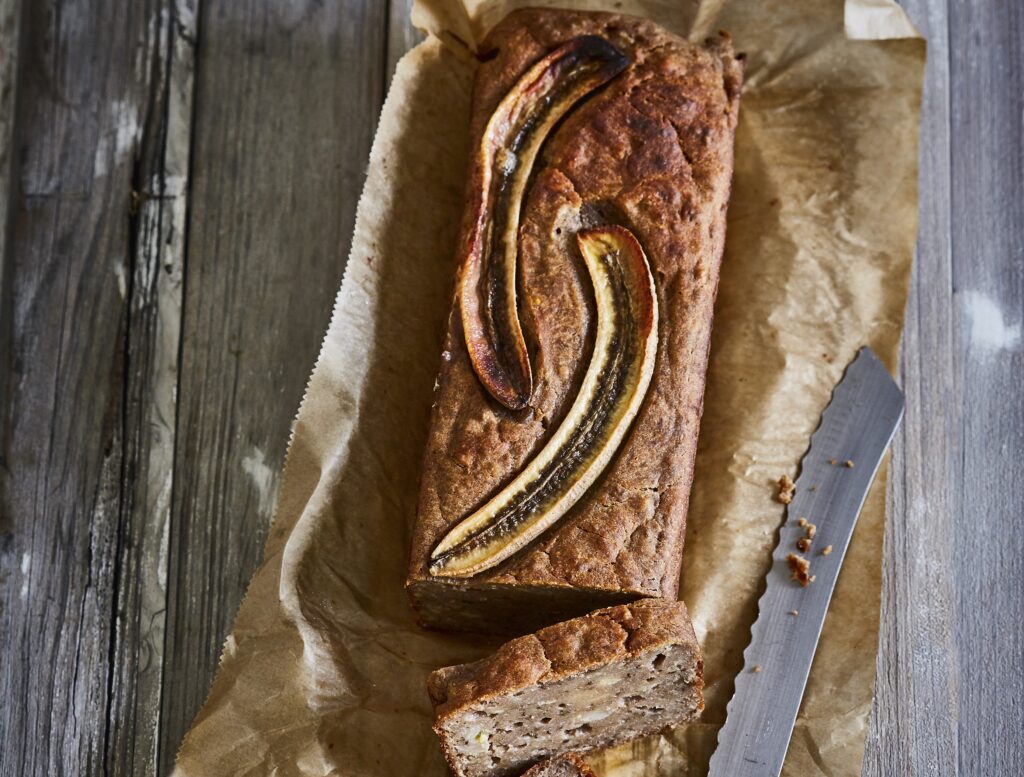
(614, 675)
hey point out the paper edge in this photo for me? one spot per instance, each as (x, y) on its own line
(870, 20)
(877, 20)
(453, 28)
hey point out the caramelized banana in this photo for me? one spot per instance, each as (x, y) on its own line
(511, 141)
(614, 385)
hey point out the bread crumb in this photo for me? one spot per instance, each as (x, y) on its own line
(756, 669)
(833, 462)
(848, 463)
(826, 550)
(812, 578)
(804, 543)
(800, 567)
(794, 612)
(786, 489)
(813, 488)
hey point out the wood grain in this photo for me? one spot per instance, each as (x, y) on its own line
(159, 204)
(178, 181)
(917, 653)
(287, 98)
(84, 272)
(950, 682)
(986, 45)
(10, 40)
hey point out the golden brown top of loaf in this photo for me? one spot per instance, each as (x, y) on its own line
(653, 151)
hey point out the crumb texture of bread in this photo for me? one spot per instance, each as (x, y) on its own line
(787, 488)
(800, 569)
(569, 765)
(651, 151)
(608, 677)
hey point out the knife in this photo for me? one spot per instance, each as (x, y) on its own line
(835, 475)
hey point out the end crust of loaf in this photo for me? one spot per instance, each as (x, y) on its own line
(651, 151)
(612, 676)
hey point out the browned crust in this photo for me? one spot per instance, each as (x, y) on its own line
(653, 151)
(562, 650)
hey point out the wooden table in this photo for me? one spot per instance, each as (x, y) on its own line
(179, 180)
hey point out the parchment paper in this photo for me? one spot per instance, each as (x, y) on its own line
(324, 671)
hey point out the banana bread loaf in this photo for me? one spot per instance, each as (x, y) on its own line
(651, 151)
(609, 677)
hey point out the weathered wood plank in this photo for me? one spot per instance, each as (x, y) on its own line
(287, 100)
(10, 40)
(10, 45)
(950, 679)
(84, 275)
(915, 716)
(159, 203)
(986, 46)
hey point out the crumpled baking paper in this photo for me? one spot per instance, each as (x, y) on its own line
(324, 671)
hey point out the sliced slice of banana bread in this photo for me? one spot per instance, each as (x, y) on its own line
(568, 765)
(608, 677)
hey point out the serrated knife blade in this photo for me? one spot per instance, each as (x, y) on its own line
(855, 431)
